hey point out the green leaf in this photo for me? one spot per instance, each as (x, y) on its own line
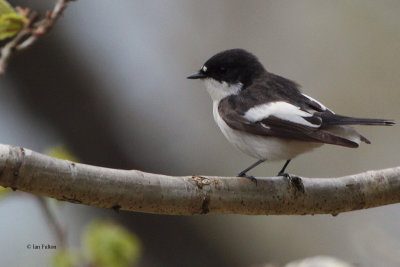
(60, 152)
(5, 8)
(10, 21)
(109, 245)
(64, 258)
(10, 25)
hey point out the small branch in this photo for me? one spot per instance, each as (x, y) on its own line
(31, 32)
(59, 233)
(134, 190)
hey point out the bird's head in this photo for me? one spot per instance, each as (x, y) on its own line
(228, 72)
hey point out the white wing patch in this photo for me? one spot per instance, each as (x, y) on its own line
(281, 110)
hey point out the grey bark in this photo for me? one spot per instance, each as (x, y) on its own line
(29, 171)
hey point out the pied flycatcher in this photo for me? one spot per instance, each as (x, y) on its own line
(266, 116)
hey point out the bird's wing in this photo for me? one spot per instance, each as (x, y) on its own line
(329, 118)
(282, 119)
(314, 104)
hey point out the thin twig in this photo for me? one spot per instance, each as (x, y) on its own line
(31, 32)
(59, 233)
(134, 190)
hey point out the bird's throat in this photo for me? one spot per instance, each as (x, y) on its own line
(219, 90)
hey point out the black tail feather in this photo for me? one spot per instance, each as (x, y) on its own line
(334, 119)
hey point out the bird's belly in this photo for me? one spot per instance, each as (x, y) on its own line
(263, 147)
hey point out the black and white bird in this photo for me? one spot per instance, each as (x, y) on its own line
(266, 116)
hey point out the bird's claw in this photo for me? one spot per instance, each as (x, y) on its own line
(251, 177)
(294, 181)
(284, 174)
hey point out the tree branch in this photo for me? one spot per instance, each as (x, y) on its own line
(31, 33)
(134, 190)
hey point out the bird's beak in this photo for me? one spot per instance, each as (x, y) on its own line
(198, 75)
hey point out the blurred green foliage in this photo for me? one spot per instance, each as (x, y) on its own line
(108, 244)
(10, 21)
(5, 7)
(105, 244)
(60, 152)
(4, 191)
(65, 258)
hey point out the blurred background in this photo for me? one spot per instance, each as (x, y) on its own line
(109, 83)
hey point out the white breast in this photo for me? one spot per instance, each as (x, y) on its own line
(261, 147)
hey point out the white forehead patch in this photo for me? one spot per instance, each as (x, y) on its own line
(204, 68)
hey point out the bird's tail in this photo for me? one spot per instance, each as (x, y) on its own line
(334, 119)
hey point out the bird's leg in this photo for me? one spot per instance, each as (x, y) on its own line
(294, 180)
(282, 171)
(243, 173)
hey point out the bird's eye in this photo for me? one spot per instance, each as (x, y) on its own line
(222, 69)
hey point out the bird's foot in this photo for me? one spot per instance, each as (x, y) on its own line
(251, 177)
(284, 174)
(294, 180)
